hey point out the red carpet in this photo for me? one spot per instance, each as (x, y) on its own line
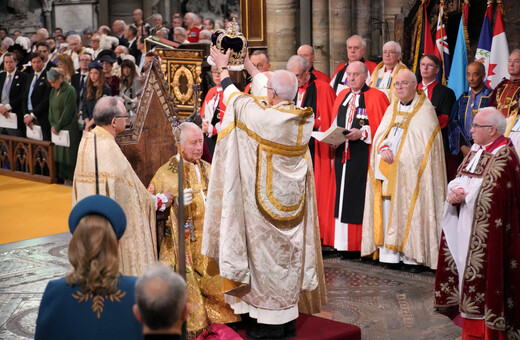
(310, 327)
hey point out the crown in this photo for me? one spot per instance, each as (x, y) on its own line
(231, 39)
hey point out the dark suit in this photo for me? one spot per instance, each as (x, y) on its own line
(75, 81)
(40, 102)
(122, 40)
(17, 100)
(133, 50)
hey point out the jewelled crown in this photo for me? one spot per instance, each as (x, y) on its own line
(231, 39)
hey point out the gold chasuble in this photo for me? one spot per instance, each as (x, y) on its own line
(204, 283)
(261, 217)
(117, 180)
(415, 184)
(383, 79)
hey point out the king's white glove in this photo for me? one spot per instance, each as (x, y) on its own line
(188, 197)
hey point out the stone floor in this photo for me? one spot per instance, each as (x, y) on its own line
(384, 303)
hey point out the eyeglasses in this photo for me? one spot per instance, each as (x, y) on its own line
(122, 116)
(270, 88)
(479, 126)
(428, 65)
(389, 52)
(403, 83)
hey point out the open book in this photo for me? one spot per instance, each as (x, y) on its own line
(334, 135)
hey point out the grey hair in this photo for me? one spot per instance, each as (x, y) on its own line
(43, 32)
(394, 44)
(161, 306)
(124, 48)
(157, 15)
(495, 118)
(363, 41)
(106, 109)
(410, 75)
(74, 36)
(192, 15)
(516, 50)
(298, 60)
(187, 126)
(181, 29)
(285, 84)
(205, 34)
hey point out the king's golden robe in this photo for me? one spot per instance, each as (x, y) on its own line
(202, 275)
(117, 180)
(416, 186)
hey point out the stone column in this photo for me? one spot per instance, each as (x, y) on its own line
(47, 10)
(320, 35)
(391, 9)
(281, 31)
(340, 29)
(362, 22)
(376, 30)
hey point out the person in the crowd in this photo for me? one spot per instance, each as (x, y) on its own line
(62, 117)
(79, 79)
(13, 94)
(118, 180)
(161, 303)
(65, 63)
(53, 56)
(38, 97)
(20, 53)
(276, 140)
(176, 22)
(108, 58)
(192, 29)
(131, 36)
(95, 88)
(466, 107)
(44, 48)
(130, 84)
(406, 183)
(57, 31)
(76, 49)
(105, 30)
(505, 98)
(95, 41)
(356, 47)
(157, 23)
(307, 52)
(360, 110)
(205, 285)
(93, 301)
(86, 35)
(179, 34)
(118, 31)
(477, 274)
(205, 36)
(208, 24)
(384, 74)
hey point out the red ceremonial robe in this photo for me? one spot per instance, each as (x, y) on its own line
(320, 75)
(320, 97)
(491, 281)
(375, 103)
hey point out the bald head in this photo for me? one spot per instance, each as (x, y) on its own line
(307, 52)
(405, 85)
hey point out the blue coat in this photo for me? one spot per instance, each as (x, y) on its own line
(66, 313)
(462, 116)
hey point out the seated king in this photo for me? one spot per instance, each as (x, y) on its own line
(204, 284)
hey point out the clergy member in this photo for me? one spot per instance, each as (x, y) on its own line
(260, 213)
(212, 111)
(117, 180)
(505, 98)
(478, 274)
(406, 183)
(260, 60)
(359, 109)
(466, 107)
(384, 74)
(307, 52)
(202, 274)
(356, 46)
(318, 95)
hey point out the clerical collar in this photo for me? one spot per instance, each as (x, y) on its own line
(406, 104)
(389, 69)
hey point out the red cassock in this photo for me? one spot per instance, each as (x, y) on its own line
(375, 102)
(320, 97)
